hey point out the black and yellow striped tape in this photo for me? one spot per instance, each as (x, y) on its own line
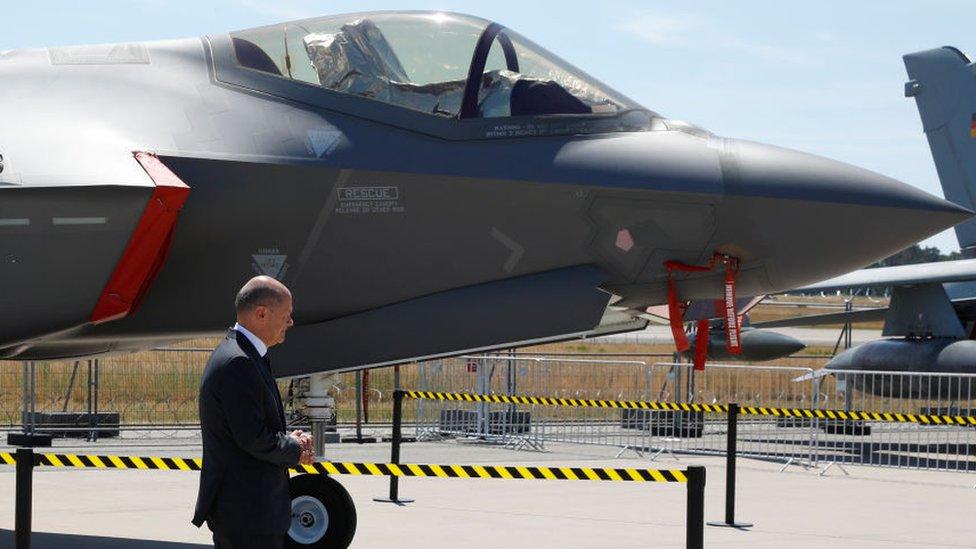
(373, 469)
(891, 417)
(575, 402)
(495, 471)
(109, 462)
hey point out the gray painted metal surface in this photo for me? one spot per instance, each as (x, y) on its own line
(757, 345)
(882, 277)
(375, 214)
(943, 83)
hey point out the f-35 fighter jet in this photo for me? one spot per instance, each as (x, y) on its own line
(426, 183)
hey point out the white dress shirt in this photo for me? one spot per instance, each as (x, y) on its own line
(259, 345)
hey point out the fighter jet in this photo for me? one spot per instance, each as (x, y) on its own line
(931, 318)
(426, 183)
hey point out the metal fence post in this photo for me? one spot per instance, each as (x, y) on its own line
(359, 406)
(94, 432)
(730, 450)
(25, 418)
(33, 397)
(395, 450)
(695, 525)
(89, 407)
(365, 395)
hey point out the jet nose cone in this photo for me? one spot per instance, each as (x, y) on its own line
(766, 170)
(822, 217)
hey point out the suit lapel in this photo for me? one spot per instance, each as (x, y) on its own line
(274, 389)
(264, 366)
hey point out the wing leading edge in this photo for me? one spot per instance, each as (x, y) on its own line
(903, 275)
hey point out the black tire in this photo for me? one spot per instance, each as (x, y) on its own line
(310, 496)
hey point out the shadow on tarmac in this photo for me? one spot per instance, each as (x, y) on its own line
(46, 540)
(897, 454)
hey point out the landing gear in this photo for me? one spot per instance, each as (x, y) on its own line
(323, 515)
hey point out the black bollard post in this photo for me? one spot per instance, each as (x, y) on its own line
(25, 485)
(395, 443)
(24, 498)
(395, 451)
(695, 532)
(732, 436)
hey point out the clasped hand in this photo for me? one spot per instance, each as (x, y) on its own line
(305, 441)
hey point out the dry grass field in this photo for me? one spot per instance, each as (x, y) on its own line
(160, 387)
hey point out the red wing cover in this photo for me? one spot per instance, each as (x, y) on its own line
(148, 247)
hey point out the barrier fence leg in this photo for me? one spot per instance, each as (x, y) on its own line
(730, 451)
(395, 451)
(695, 532)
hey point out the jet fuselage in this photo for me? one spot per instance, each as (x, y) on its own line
(387, 221)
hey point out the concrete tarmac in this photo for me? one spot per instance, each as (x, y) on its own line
(871, 508)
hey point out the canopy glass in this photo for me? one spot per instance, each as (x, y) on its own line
(442, 64)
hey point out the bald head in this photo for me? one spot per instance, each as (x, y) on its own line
(264, 307)
(260, 290)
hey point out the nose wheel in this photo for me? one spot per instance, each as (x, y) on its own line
(323, 515)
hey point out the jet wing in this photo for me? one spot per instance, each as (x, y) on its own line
(907, 279)
(843, 317)
(902, 275)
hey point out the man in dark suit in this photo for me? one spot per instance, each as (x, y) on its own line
(243, 494)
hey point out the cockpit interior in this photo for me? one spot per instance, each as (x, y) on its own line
(447, 65)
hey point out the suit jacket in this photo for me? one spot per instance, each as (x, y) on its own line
(246, 451)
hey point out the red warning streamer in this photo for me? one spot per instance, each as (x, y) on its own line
(724, 307)
(702, 336)
(733, 341)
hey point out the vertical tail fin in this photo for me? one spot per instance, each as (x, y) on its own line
(943, 83)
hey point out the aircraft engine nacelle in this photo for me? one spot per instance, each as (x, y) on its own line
(924, 357)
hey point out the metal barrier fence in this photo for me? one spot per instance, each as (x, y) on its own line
(747, 385)
(101, 397)
(513, 374)
(638, 430)
(948, 446)
(153, 394)
(147, 395)
(917, 442)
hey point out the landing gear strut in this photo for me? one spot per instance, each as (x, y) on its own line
(320, 409)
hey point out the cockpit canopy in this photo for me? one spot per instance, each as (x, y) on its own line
(442, 64)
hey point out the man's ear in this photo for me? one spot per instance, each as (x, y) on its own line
(261, 312)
